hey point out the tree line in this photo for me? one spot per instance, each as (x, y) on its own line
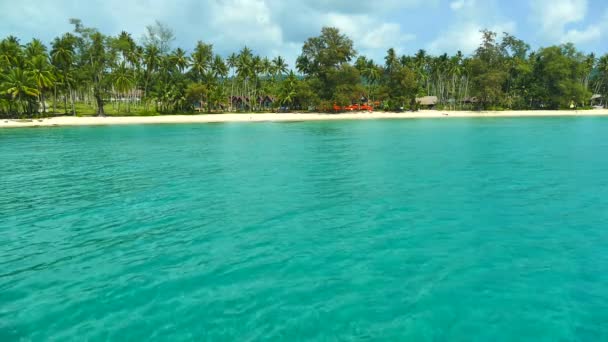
(86, 72)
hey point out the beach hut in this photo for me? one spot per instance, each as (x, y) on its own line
(266, 101)
(240, 102)
(427, 101)
(470, 100)
(199, 106)
(597, 101)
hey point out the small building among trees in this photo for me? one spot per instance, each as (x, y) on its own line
(428, 102)
(266, 101)
(597, 101)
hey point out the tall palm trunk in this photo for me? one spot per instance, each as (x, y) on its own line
(99, 100)
(231, 91)
(55, 100)
(71, 95)
(43, 103)
(18, 103)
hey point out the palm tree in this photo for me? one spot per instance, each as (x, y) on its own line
(266, 67)
(19, 86)
(303, 64)
(42, 75)
(232, 63)
(256, 68)
(219, 68)
(180, 60)
(152, 60)
(280, 66)
(287, 91)
(10, 53)
(390, 61)
(125, 45)
(62, 57)
(244, 67)
(421, 61)
(100, 58)
(372, 73)
(130, 54)
(201, 61)
(34, 48)
(457, 71)
(361, 63)
(266, 70)
(602, 84)
(123, 81)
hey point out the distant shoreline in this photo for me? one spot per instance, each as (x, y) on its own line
(281, 117)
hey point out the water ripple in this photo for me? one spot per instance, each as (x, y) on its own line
(396, 230)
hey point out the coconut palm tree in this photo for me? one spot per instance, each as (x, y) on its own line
(62, 58)
(10, 53)
(180, 60)
(280, 66)
(303, 64)
(390, 61)
(256, 68)
(131, 55)
(421, 65)
(372, 73)
(122, 80)
(601, 86)
(151, 60)
(20, 87)
(41, 72)
(125, 45)
(232, 61)
(287, 92)
(244, 68)
(34, 48)
(219, 68)
(266, 67)
(201, 61)
(267, 81)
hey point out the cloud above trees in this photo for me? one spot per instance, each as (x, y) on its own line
(274, 27)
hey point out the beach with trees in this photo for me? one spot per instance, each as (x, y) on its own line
(88, 73)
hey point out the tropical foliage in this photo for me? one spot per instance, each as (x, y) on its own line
(87, 72)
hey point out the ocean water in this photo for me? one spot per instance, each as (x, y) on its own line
(412, 230)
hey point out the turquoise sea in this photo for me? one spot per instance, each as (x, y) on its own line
(406, 230)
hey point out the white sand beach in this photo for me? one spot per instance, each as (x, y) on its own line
(281, 117)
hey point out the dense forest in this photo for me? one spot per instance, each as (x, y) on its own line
(85, 72)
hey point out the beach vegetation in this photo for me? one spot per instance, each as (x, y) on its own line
(85, 72)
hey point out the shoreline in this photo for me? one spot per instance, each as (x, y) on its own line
(281, 117)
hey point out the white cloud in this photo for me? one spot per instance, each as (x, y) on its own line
(367, 32)
(461, 4)
(251, 24)
(272, 27)
(465, 37)
(269, 27)
(590, 34)
(563, 21)
(554, 15)
(361, 6)
(467, 20)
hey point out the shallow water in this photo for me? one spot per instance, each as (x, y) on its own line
(420, 230)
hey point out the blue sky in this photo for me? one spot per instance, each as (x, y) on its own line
(272, 27)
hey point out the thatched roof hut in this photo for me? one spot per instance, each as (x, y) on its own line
(597, 100)
(428, 101)
(262, 99)
(239, 99)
